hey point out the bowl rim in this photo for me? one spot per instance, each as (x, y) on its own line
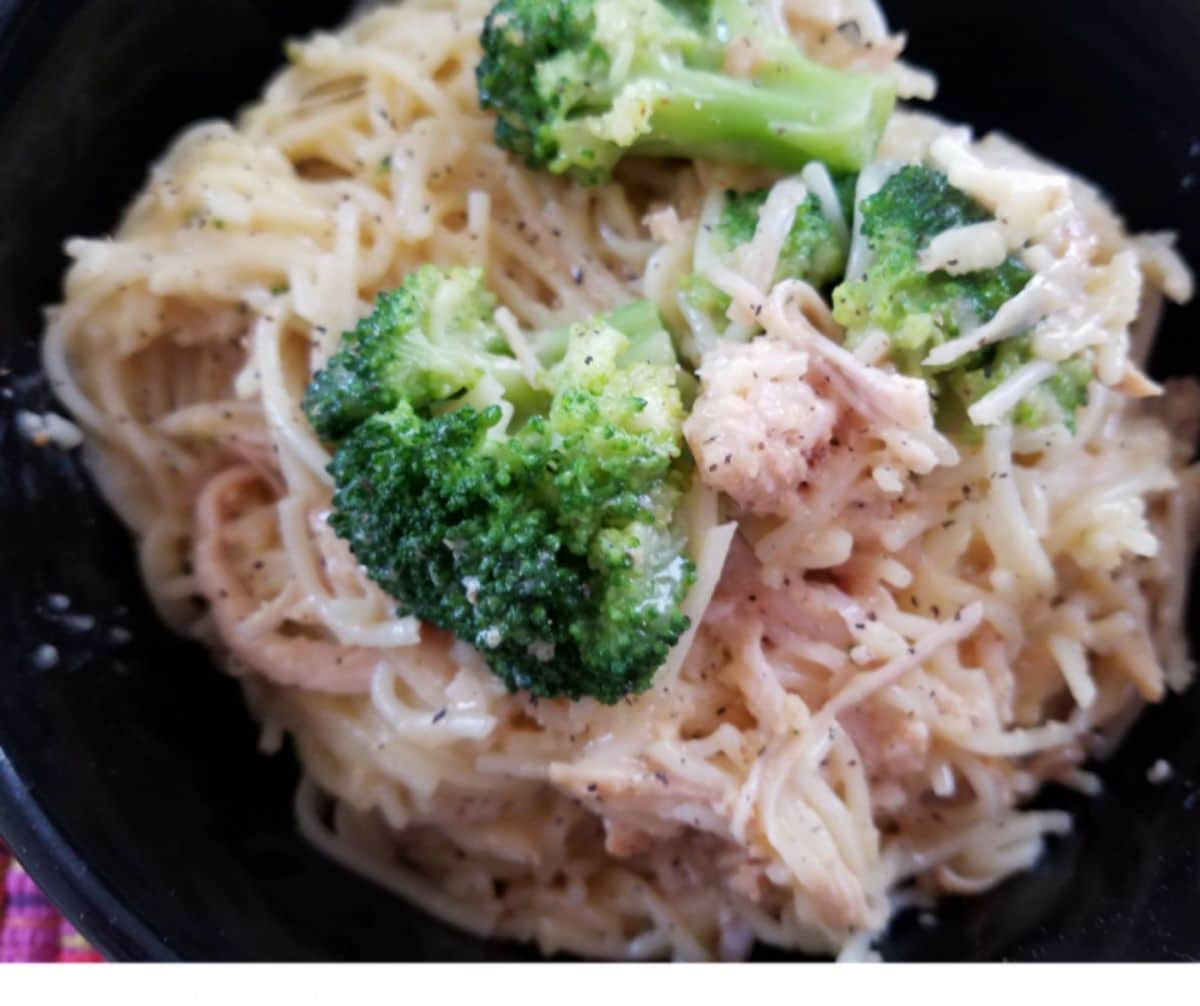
(87, 898)
(82, 897)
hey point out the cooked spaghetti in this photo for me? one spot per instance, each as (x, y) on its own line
(897, 637)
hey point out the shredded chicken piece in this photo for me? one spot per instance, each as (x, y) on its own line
(758, 426)
(886, 399)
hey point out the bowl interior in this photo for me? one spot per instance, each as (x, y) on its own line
(130, 784)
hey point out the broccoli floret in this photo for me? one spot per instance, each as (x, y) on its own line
(547, 541)
(1054, 401)
(578, 84)
(814, 251)
(425, 342)
(920, 310)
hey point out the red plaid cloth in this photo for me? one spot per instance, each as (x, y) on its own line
(31, 930)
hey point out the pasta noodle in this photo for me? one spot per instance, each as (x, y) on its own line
(896, 640)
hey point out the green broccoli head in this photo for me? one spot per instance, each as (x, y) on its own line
(550, 545)
(615, 422)
(426, 341)
(1054, 401)
(578, 84)
(814, 251)
(920, 310)
(438, 515)
(538, 59)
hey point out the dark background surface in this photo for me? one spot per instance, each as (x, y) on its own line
(129, 781)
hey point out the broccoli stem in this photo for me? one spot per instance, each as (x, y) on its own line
(790, 114)
(648, 340)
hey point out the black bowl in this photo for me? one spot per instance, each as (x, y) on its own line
(129, 781)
